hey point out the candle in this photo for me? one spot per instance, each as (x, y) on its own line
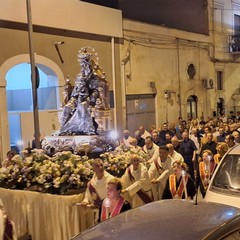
(208, 165)
(184, 183)
(107, 205)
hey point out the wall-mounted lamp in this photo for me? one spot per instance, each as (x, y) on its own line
(56, 44)
(167, 93)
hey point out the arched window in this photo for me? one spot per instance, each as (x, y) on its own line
(19, 98)
(19, 88)
(192, 107)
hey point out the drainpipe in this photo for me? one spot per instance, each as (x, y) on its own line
(212, 28)
(123, 88)
(179, 80)
(124, 61)
(114, 84)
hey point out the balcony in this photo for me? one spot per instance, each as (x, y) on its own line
(234, 44)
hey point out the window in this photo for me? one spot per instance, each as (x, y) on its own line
(235, 39)
(19, 88)
(227, 178)
(236, 24)
(192, 107)
(219, 80)
(191, 70)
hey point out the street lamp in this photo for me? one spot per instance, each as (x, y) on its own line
(33, 76)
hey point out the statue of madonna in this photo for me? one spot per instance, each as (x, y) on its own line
(78, 112)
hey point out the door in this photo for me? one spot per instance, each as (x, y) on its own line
(140, 111)
(192, 107)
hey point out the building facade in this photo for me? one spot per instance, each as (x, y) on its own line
(156, 73)
(186, 74)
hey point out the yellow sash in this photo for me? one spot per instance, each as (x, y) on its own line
(206, 174)
(176, 192)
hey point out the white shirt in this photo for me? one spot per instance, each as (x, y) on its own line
(160, 176)
(153, 153)
(99, 185)
(141, 181)
(177, 156)
(145, 134)
(166, 166)
(195, 140)
(126, 141)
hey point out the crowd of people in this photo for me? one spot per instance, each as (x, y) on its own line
(181, 160)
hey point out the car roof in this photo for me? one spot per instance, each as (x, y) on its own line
(166, 219)
(234, 150)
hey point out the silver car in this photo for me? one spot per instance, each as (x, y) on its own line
(170, 220)
(224, 185)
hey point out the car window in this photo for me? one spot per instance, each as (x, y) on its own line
(227, 177)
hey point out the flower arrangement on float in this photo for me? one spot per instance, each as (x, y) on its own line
(64, 171)
(117, 161)
(37, 171)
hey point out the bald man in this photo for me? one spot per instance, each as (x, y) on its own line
(97, 186)
(126, 138)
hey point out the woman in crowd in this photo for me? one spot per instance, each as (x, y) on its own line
(179, 185)
(114, 203)
(222, 148)
(206, 169)
(227, 129)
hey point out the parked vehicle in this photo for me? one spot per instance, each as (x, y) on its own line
(170, 220)
(224, 186)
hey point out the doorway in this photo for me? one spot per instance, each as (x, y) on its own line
(192, 107)
(20, 103)
(220, 107)
(140, 112)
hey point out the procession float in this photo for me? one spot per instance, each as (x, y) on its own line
(85, 116)
(65, 160)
